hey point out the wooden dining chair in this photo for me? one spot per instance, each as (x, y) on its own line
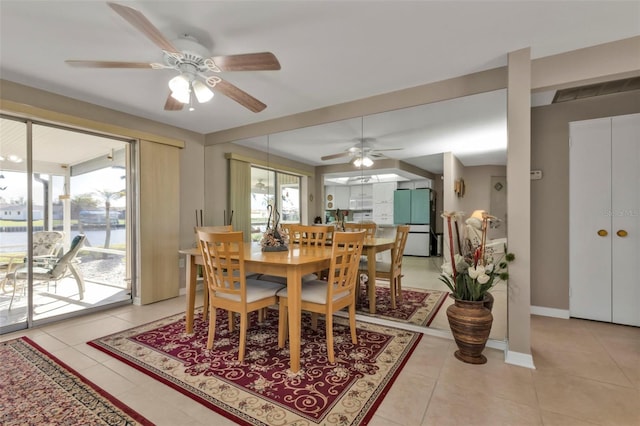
(205, 290)
(317, 235)
(229, 288)
(370, 228)
(392, 271)
(337, 292)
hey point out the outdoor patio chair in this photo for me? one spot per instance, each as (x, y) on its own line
(46, 244)
(52, 269)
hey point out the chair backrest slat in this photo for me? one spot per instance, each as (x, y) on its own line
(402, 232)
(223, 255)
(345, 262)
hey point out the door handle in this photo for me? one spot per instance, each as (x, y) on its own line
(603, 233)
(622, 233)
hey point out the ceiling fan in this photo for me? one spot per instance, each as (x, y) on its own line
(362, 153)
(194, 64)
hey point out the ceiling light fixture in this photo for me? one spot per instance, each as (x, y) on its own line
(183, 85)
(363, 161)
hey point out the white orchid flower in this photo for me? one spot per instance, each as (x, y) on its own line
(483, 278)
(476, 272)
(447, 269)
(473, 273)
(489, 268)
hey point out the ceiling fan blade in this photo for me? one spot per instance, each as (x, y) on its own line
(108, 64)
(142, 24)
(334, 156)
(172, 104)
(387, 149)
(240, 96)
(247, 62)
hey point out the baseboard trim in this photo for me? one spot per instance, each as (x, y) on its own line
(520, 359)
(549, 312)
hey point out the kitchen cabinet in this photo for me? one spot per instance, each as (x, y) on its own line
(604, 225)
(383, 202)
(337, 197)
(361, 197)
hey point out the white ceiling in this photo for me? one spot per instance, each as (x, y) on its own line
(331, 52)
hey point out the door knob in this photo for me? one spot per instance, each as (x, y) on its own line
(603, 233)
(622, 233)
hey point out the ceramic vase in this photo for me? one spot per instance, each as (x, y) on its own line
(470, 324)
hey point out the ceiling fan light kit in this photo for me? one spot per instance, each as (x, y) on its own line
(193, 61)
(362, 153)
(363, 162)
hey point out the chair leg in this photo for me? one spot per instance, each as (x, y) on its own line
(399, 287)
(231, 326)
(243, 335)
(13, 294)
(314, 321)
(329, 332)
(205, 301)
(283, 322)
(352, 323)
(392, 285)
(212, 328)
(78, 278)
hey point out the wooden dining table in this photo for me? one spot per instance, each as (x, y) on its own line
(292, 264)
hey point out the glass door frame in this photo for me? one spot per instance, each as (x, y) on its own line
(131, 186)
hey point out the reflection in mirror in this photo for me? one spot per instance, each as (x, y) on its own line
(409, 148)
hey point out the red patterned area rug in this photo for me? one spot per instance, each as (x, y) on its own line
(262, 390)
(418, 306)
(37, 389)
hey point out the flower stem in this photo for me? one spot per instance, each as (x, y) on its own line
(453, 259)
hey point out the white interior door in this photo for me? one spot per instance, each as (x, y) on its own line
(625, 215)
(589, 223)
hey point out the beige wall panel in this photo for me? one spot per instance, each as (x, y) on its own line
(159, 221)
(518, 196)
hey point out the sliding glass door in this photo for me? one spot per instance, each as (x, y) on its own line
(64, 236)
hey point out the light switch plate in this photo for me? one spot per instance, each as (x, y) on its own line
(536, 174)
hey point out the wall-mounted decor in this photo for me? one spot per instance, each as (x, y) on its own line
(458, 187)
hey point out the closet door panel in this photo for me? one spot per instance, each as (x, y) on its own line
(625, 215)
(589, 202)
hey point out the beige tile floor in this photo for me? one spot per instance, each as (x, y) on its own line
(587, 373)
